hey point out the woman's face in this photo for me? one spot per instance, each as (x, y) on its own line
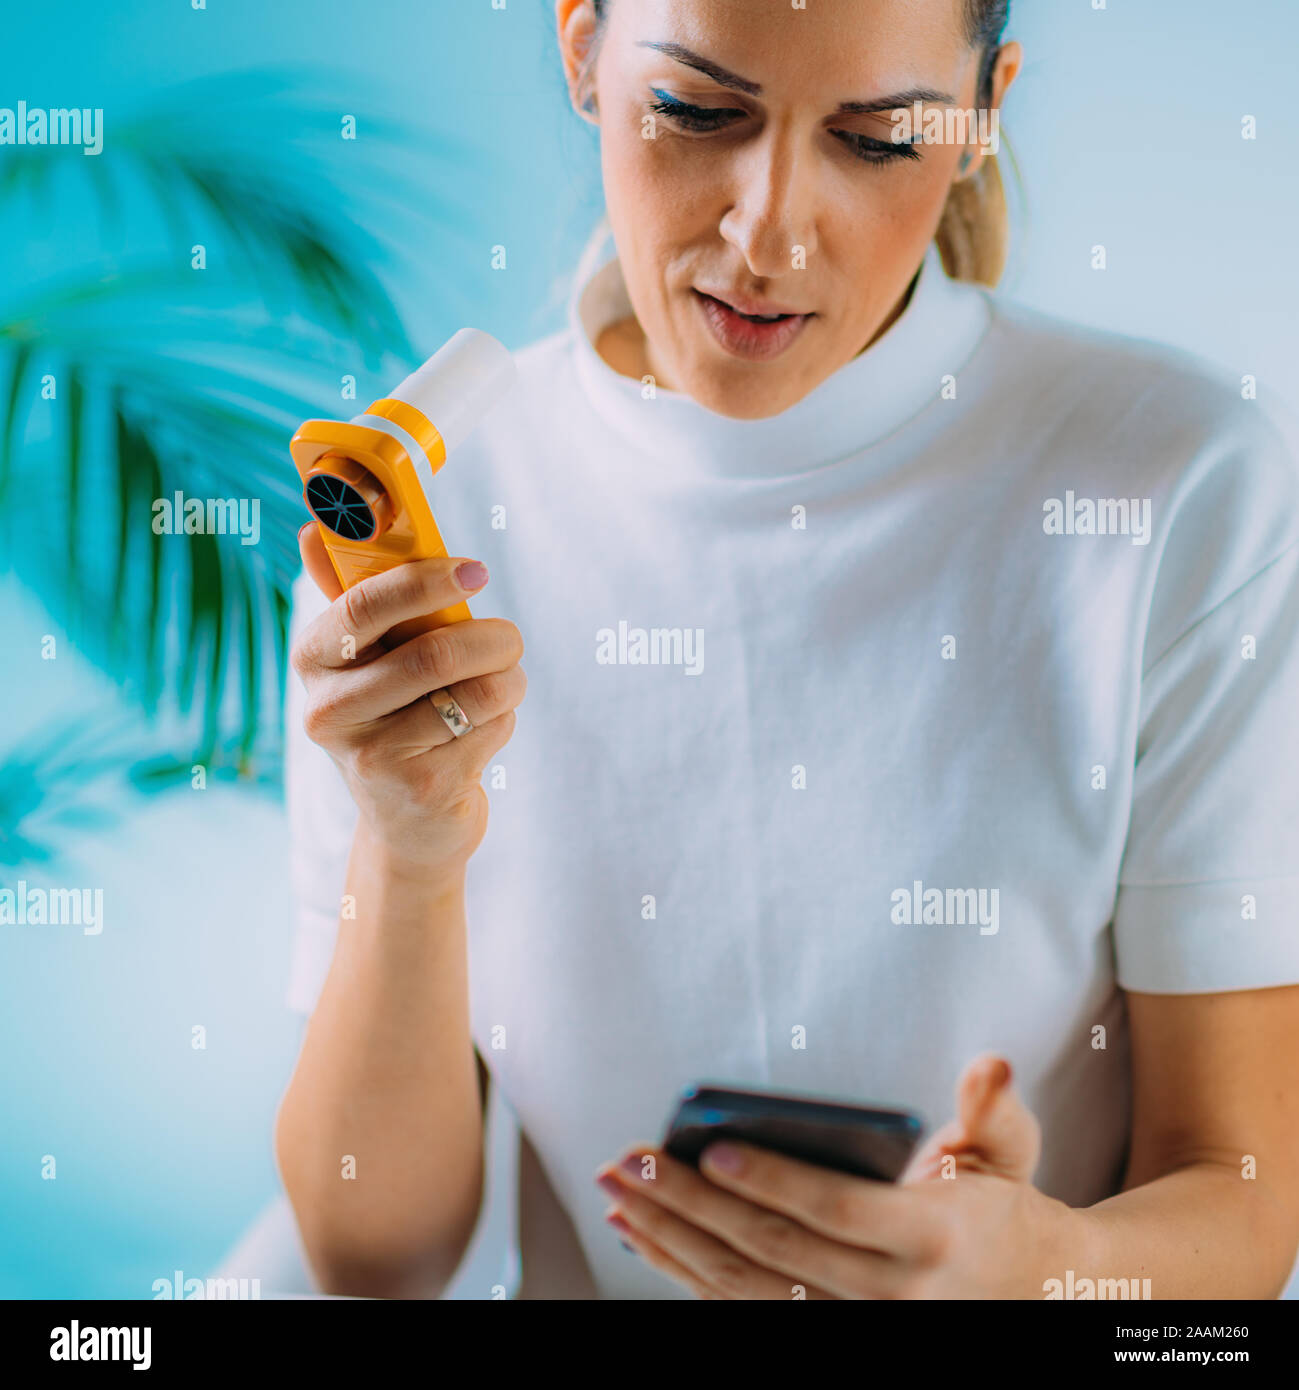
(740, 170)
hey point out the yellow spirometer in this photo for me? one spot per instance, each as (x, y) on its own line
(368, 481)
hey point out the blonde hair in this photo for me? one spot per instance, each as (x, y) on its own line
(973, 234)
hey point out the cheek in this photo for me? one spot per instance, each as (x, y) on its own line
(638, 192)
(885, 218)
(663, 207)
(900, 200)
(656, 175)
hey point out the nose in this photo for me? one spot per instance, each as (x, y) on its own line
(773, 204)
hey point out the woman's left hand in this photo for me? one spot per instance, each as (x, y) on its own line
(964, 1221)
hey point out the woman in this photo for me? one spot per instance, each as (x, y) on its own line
(912, 693)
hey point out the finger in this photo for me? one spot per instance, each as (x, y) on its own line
(656, 1258)
(928, 1161)
(722, 1269)
(978, 1087)
(857, 1211)
(434, 660)
(417, 727)
(996, 1126)
(464, 759)
(362, 614)
(316, 561)
(768, 1238)
(479, 746)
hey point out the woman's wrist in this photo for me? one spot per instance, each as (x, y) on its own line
(1074, 1242)
(435, 878)
(402, 915)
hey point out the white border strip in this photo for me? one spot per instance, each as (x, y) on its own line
(423, 469)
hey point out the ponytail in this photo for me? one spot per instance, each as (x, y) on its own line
(973, 235)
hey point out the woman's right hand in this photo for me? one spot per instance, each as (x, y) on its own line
(417, 786)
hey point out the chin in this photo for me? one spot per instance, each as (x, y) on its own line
(747, 399)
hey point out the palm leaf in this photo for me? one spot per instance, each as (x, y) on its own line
(171, 380)
(62, 776)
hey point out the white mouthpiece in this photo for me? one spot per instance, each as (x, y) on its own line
(463, 379)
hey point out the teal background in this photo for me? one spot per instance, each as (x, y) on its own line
(1127, 125)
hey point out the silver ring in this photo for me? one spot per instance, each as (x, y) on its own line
(451, 714)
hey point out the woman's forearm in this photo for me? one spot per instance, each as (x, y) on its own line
(1201, 1231)
(380, 1134)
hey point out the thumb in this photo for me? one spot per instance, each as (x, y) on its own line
(316, 561)
(993, 1125)
(992, 1132)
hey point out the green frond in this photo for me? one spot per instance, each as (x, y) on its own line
(175, 380)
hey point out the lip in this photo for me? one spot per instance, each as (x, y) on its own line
(741, 337)
(746, 304)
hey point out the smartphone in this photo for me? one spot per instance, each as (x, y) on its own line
(864, 1140)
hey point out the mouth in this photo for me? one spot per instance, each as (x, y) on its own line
(755, 337)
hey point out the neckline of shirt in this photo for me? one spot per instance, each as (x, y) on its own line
(866, 400)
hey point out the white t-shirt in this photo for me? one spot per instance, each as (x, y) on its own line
(911, 722)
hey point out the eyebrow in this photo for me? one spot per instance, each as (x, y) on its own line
(725, 78)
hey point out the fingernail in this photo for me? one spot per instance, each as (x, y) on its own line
(618, 1223)
(471, 575)
(632, 1164)
(610, 1185)
(724, 1157)
(305, 525)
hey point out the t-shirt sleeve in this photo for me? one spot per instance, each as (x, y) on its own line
(322, 818)
(1208, 894)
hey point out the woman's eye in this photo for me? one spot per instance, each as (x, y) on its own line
(689, 117)
(875, 151)
(692, 117)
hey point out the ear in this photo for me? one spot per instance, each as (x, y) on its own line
(1006, 68)
(1010, 59)
(575, 23)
